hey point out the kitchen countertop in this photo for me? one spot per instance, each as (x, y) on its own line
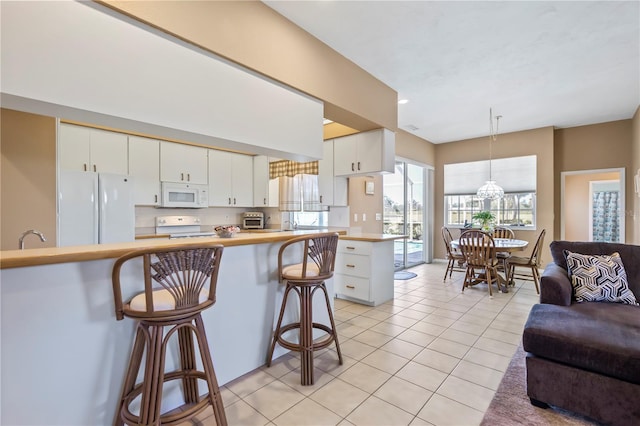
(374, 238)
(53, 255)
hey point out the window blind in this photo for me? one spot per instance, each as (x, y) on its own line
(514, 174)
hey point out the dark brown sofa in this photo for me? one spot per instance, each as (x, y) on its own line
(585, 357)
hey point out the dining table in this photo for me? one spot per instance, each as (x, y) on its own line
(502, 245)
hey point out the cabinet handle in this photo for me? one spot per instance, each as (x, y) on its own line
(94, 168)
(265, 201)
(321, 199)
(353, 167)
(350, 248)
(85, 167)
(350, 266)
(188, 177)
(234, 201)
(350, 286)
(156, 197)
(181, 176)
(358, 165)
(229, 200)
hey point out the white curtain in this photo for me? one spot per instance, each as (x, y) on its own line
(606, 222)
(298, 192)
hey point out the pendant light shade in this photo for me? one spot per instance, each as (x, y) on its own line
(491, 190)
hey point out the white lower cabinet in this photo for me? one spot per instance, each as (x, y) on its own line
(364, 271)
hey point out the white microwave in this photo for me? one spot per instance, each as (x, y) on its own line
(185, 195)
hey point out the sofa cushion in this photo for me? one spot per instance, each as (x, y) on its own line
(629, 253)
(600, 337)
(599, 278)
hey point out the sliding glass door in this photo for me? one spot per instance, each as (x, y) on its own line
(404, 195)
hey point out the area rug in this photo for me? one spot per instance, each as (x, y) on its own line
(403, 275)
(511, 406)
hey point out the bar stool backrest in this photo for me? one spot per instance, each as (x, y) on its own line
(181, 279)
(318, 257)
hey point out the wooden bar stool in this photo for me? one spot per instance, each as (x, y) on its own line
(179, 283)
(304, 278)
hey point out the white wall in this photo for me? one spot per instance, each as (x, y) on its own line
(84, 62)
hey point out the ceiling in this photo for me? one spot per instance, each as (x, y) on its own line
(537, 64)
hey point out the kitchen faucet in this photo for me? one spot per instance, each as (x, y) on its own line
(294, 225)
(30, 231)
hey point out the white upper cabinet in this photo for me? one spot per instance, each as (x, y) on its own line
(144, 165)
(183, 163)
(265, 191)
(230, 179)
(364, 153)
(333, 190)
(87, 149)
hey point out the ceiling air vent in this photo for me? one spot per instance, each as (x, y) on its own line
(411, 127)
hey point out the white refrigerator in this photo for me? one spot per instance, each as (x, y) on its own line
(95, 208)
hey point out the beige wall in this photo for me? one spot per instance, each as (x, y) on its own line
(537, 142)
(597, 146)
(414, 148)
(27, 178)
(361, 203)
(576, 203)
(255, 36)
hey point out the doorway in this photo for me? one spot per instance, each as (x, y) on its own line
(405, 213)
(593, 205)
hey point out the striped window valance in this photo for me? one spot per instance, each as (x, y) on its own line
(291, 168)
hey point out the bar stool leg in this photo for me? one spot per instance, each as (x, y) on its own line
(212, 381)
(306, 336)
(135, 361)
(276, 333)
(333, 324)
(188, 363)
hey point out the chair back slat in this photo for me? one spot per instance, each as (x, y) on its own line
(478, 248)
(503, 232)
(536, 254)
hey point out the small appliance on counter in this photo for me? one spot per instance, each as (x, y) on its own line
(253, 220)
(180, 227)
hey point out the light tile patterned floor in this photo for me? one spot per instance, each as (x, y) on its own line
(432, 356)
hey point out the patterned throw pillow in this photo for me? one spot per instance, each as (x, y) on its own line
(599, 278)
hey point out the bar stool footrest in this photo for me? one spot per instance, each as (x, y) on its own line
(317, 345)
(187, 411)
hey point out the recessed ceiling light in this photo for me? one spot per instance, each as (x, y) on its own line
(403, 101)
(327, 121)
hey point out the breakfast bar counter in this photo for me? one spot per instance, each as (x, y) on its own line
(64, 352)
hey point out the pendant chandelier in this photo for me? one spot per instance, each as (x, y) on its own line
(491, 189)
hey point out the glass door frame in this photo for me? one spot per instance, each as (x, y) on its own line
(427, 213)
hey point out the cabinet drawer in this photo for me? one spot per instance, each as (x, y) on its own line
(354, 247)
(353, 264)
(352, 286)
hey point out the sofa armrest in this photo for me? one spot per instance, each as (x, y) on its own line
(555, 286)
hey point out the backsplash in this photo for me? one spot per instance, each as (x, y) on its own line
(213, 216)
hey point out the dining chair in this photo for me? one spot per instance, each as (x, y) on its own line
(502, 256)
(454, 256)
(479, 252)
(532, 263)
